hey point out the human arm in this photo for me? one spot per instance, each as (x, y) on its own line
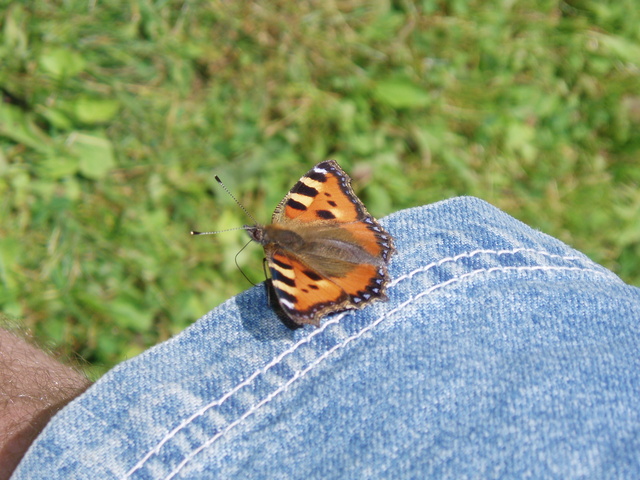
(33, 387)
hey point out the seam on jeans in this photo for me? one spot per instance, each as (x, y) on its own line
(219, 401)
(317, 361)
(226, 396)
(473, 253)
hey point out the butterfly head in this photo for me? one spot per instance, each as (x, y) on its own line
(256, 233)
(274, 235)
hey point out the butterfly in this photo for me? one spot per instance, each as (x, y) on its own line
(324, 251)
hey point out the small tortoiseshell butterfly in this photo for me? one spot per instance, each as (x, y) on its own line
(325, 252)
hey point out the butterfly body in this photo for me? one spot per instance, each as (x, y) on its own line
(324, 251)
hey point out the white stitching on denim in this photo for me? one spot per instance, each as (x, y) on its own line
(319, 330)
(226, 396)
(473, 253)
(318, 360)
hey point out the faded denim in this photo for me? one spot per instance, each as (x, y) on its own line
(501, 353)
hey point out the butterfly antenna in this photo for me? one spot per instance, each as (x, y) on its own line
(235, 200)
(193, 232)
(236, 260)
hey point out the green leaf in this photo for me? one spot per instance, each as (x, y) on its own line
(56, 117)
(401, 93)
(58, 166)
(62, 63)
(95, 110)
(95, 154)
(15, 37)
(18, 126)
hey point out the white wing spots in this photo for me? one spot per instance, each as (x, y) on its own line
(311, 183)
(303, 199)
(286, 273)
(293, 289)
(339, 214)
(323, 284)
(290, 289)
(287, 303)
(320, 170)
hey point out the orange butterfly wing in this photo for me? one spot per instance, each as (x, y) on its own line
(325, 194)
(303, 295)
(324, 212)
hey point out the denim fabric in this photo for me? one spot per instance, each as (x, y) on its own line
(501, 353)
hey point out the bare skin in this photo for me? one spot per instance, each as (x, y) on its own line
(33, 387)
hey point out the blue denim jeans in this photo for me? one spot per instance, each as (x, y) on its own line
(501, 353)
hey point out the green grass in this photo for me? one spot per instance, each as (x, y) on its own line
(116, 116)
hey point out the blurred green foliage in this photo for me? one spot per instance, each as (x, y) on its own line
(116, 115)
